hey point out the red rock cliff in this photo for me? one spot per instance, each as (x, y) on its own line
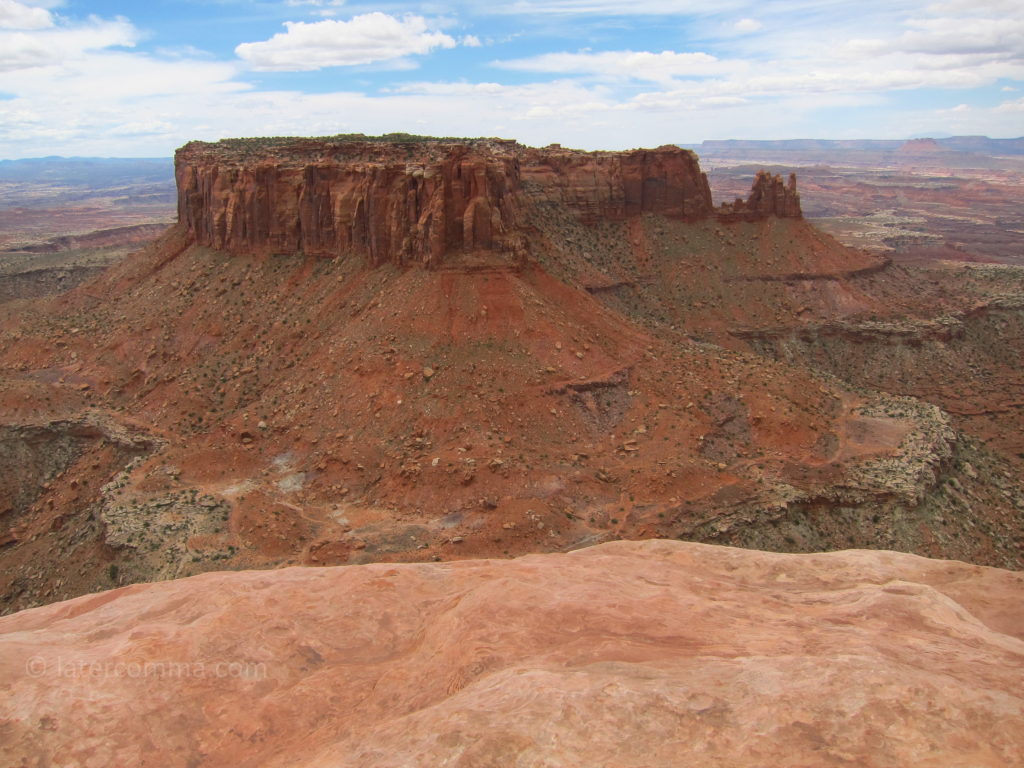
(616, 185)
(385, 200)
(415, 201)
(769, 196)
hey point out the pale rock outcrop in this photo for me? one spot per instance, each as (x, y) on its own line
(655, 653)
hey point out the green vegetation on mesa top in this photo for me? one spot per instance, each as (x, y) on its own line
(401, 138)
(259, 142)
(304, 147)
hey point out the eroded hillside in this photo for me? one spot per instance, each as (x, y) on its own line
(353, 351)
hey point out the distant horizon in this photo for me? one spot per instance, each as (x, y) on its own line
(113, 78)
(680, 144)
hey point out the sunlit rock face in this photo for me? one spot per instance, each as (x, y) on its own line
(651, 653)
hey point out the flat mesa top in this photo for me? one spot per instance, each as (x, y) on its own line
(345, 145)
(357, 146)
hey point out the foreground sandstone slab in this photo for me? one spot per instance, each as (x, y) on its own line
(628, 654)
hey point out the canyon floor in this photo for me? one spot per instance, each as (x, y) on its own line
(917, 201)
(65, 220)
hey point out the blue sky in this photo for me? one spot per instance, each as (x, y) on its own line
(118, 78)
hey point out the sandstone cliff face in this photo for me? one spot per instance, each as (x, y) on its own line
(413, 203)
(617, 185)
(654, 653)
(324, 199)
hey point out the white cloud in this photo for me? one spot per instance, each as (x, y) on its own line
(614, 7)
(201, 100)
(72, 89)
(183, 52)
(142, 102)
(638, 65)
(977, 7)
(15, 15)
(1017, 105)
(1000, 37)
(747, 25)
(1003, 36)
(700, 75)
(723, 101)
(322, 8)
(23, 49)
(790, 79)
(365, 39)
(470, 41)
(142, 128)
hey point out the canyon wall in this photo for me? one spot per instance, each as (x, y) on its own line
(617, 185)
(413, 202)
(326, 198)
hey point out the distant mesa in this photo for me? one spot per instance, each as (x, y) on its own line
(981, 144)
(922, 147)
(410, 200)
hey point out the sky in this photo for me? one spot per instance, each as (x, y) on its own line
(138, 79)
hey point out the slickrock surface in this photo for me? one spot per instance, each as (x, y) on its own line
(647, 654)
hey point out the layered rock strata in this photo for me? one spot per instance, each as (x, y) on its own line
(617, 185)
(326, 199)
(415, 202)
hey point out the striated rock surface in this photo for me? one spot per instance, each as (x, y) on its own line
(412, 202)
(394, 203)
(600, 186)
(629, 654)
